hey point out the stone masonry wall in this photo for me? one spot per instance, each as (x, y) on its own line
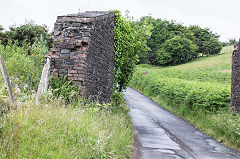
(235, 85)
(83, 49)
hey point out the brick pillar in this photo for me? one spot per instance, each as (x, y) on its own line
(235, 85)
(83, 49)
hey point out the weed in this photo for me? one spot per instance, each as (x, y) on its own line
(54, 131)
(62, 88)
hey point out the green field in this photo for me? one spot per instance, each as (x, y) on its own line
(207, 69)
(198, 91)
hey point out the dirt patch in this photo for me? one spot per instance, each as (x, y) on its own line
(136, 151)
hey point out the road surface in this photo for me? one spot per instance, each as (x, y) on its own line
(162, 135)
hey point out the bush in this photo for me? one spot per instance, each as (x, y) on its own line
(70, 93)
(64, 89)
(176, 51)
(27, 33)
(118, 103)
(129, 42)
(202, 95)
(23, 68)
(206, 41)
(211, 47)
(164, 30)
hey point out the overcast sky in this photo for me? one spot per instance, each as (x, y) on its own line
(221, 16)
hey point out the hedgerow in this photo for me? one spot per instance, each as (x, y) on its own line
(197, 94)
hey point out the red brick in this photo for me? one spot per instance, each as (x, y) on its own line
(72, 71)
(79, 43)
(63, 67)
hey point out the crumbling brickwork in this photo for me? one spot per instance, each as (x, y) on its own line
(235, 85)
(83, 49)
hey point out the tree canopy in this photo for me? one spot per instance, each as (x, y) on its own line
(163, 30)
(26, 33)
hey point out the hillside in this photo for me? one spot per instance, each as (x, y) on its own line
(198, 91)
(206, 69)
(222, 61)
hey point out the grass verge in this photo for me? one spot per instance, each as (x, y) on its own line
(54, 131)
(223, 125)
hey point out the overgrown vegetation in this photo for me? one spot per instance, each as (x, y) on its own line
(61, 88)
(23, 49)
(65, 125)
(129, 42)
(26, 33)
(198, 91)
(230, 42)
(176, 50)
(24, 69)
(54, 131)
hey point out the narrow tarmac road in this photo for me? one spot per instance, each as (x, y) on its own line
(162, 135)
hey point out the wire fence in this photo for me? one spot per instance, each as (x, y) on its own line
(24, 85)
(25, 82)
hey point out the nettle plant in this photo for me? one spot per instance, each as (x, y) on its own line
(62, 88)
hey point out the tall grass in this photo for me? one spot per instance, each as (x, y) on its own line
(24, 64)
(65, 125)
(54, 131)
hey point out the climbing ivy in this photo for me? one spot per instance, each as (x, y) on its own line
(129, 42)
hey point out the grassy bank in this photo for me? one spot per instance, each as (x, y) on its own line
(54, 131)
(198, 91)
(65, 125)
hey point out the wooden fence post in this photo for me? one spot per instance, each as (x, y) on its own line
(43, 85)
(7, 82)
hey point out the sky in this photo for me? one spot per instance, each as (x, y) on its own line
(221, 16)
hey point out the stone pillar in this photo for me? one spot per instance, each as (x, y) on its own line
(83, 49)
(235, 85)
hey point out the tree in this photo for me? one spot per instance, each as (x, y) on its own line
(164, 30)
(232, 41)
(129, 42)
(146, 24)
(1, 28)
(206, 40)
(176, 50)
(27, 33)
(211, 46)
